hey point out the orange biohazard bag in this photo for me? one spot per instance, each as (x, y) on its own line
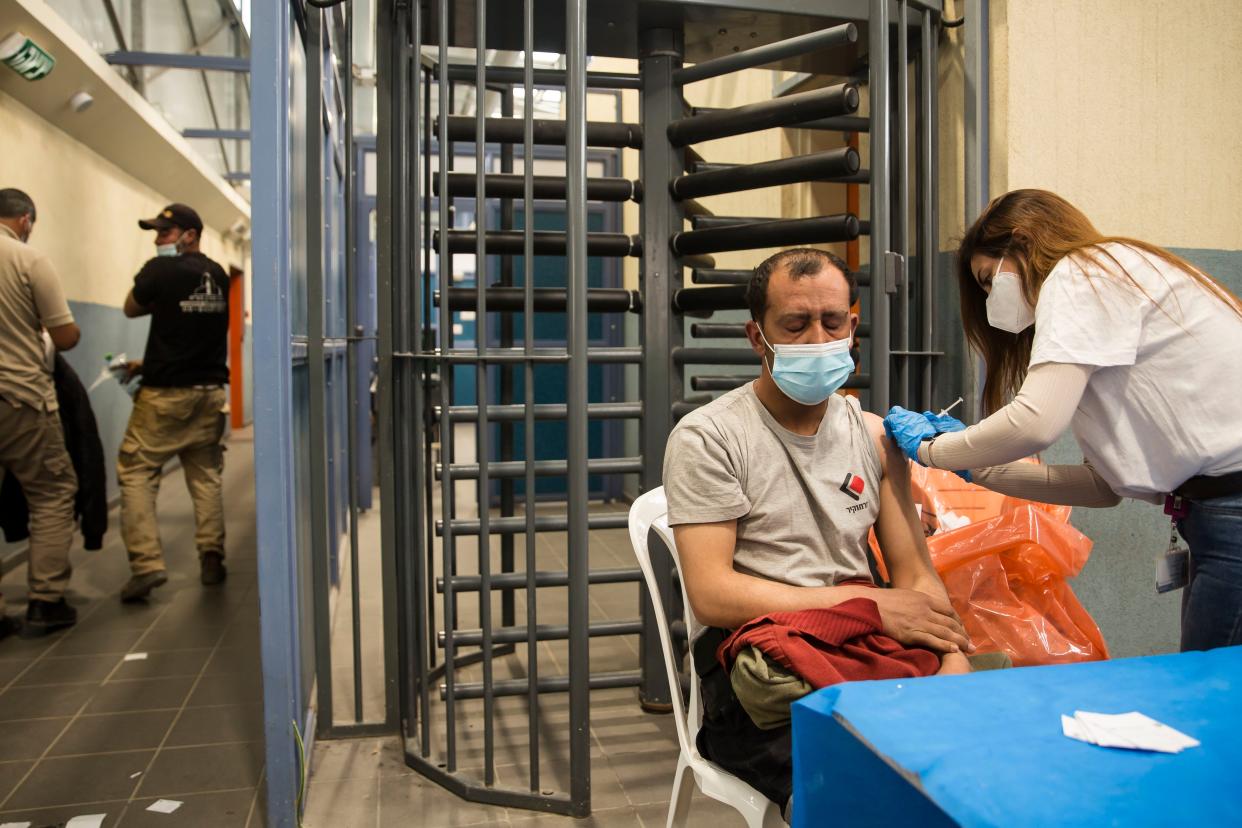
(1006, 564)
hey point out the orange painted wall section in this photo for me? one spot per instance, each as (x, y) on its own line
(237, 329)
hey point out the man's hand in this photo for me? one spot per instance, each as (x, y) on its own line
(954, 664)
(917, 619)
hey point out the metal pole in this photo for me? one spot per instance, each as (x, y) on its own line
(426, 342)
(280, 622)
(507, 372)
(511, 131)
(418, 544)
(662, 383)
(351, 370)
(841, 99)
(769, 53)
(445, 321)
(775, 233)
(975, 78)
(579, 537)
(483, 431)
(736, 178)
(528, 378)
(138, 40)
(546, 77)
(315, 355)
(930, 231)
(901, 204)
(881, 137)
(546, 186)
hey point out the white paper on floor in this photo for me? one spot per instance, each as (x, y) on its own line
(1132, 731)
(164, 806)
(14, 825)
(135, 657)
(87, 821)
(135, 774)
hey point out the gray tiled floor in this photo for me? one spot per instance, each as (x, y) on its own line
(365, 783)
(84, 732)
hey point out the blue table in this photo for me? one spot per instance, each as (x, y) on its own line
(987, 749)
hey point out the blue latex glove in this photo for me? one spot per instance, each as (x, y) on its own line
(908, 429)
(944, 423)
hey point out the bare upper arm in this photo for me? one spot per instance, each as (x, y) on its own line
(705, 551)
(65, 337)
(898, 528)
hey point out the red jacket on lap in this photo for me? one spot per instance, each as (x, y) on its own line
(829, 646)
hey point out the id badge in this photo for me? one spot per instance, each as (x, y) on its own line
(1172, 569)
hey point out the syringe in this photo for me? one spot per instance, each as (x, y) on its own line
(951, 406)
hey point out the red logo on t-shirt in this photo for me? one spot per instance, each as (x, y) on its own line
(853, 486)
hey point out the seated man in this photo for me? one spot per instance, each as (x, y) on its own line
(772, 490)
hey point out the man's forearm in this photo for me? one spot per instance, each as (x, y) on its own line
(740, 598)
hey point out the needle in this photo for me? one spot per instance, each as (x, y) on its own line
(952, 406)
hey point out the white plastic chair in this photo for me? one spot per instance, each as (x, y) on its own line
(650, 511)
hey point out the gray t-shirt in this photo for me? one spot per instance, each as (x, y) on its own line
(804, 505)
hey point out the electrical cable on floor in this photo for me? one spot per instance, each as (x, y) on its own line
(324, 4)
(947, 24)
(297, 736)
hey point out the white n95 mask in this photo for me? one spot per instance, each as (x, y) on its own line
(810, 374)
(1008, 309)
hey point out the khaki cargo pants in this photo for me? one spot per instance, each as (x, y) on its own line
(32, 448)
(171, 422)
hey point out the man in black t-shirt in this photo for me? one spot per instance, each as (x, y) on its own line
(179, 412)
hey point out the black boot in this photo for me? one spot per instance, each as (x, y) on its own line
(212, 569)
(43, 617)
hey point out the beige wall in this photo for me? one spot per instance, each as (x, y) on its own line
(88, 208)
(1130, 110)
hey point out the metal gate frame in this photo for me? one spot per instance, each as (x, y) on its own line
(901, 308)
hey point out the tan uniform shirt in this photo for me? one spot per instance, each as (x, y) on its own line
(31, 299)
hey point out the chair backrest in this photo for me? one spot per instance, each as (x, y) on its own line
(650, 513)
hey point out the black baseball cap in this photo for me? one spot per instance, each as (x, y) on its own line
(174, 215)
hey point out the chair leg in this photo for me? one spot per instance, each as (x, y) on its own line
(683, 790)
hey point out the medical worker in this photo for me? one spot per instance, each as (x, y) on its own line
(1138, 351)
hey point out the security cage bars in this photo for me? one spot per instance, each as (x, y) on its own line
(418, 354)
(328, 351)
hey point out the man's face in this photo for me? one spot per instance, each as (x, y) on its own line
(169, 235)
(25, 226)
(809, 310)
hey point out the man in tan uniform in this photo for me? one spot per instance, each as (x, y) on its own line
(180, 410)
(32, 442)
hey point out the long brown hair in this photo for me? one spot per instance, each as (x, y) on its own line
(1037, 229)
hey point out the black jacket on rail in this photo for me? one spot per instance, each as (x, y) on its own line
(90, 505)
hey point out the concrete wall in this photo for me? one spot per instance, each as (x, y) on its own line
(87, 225)
(1129, 110)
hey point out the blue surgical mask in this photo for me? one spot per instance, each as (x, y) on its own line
(166, 250)
(810, 374)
